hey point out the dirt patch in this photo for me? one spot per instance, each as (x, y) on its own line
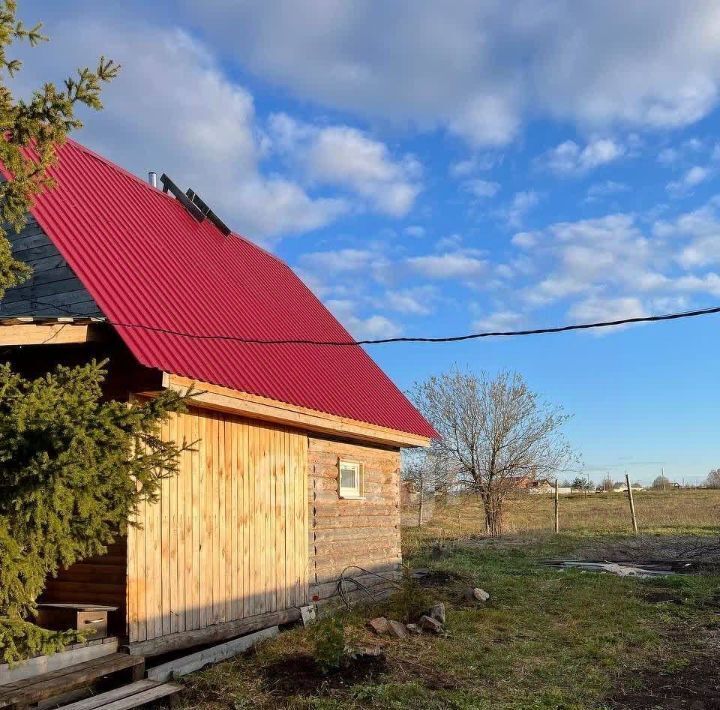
(300, 675)
(696, 686)
(656, 596)
(433, 579)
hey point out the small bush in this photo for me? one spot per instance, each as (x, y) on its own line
(328, 638)
(411, 601)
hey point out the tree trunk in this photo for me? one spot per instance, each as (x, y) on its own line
(493, 514)
(420, 507)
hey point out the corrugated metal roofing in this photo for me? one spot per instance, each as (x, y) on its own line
(146, 260)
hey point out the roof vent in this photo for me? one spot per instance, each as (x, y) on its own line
(193, 204)
(152, 178)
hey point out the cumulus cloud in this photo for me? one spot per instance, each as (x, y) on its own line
(173, 110)
(481, 189)
(371, 327)
(690, 179)
(480, 69)
(499, 321)
(569, 158)
(346, 157)
(521, 203)
(448, 266)
(600, 190)
(599, 309)
(417, 301)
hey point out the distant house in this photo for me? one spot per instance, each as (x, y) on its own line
(296, 472)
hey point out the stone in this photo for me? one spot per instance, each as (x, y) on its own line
(414, 629)
(476, 594)
(397, 629)
(427, 623)
(379, 625)
(437, 612)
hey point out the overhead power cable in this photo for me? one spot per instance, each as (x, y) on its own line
(384, 341)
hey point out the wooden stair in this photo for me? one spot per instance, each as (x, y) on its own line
(128, 696)
(30, 691)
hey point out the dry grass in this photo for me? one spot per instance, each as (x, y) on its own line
(680, 511)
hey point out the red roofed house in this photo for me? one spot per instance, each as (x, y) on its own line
(296, 474)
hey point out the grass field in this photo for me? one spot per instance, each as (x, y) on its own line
(679, 510)
(546, 639)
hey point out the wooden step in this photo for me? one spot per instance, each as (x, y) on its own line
(81, 675)
(128, 696)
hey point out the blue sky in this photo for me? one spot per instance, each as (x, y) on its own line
(438, 168)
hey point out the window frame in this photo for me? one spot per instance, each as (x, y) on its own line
(347, 493)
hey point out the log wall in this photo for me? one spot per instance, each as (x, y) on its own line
(362, 532)
(228, 538)
(97, 580)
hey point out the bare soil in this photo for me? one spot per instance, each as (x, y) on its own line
(300, 675)
(694, 687)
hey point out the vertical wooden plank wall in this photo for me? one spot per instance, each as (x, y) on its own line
(228, 539)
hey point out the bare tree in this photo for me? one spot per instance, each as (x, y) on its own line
(607, 484)
(496, 432)
(430, 472)
(662, 483)
(713, 478)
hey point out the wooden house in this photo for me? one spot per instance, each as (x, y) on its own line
(295, 476)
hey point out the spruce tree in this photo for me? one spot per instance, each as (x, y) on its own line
(73, 466)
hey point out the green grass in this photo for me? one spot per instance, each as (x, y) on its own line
(547, 639)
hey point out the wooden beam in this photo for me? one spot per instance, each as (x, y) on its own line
(47, 334)
(211, 634)
(225, 399)
(179, 667)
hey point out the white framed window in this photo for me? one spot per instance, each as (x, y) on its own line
(350, 479)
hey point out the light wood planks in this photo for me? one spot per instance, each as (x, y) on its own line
(228, 538)
(224, 399)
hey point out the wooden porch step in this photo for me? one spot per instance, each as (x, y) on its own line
(81, 675)
(129, 696)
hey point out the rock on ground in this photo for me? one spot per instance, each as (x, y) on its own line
(427, 623)
(379, 625)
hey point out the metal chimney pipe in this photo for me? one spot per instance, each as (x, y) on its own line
(152, 178)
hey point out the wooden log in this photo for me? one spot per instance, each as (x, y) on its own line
(179, 667)
(210, 634)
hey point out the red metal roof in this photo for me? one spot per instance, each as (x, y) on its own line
(146, 260)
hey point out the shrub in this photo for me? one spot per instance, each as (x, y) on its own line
(328, 638)
(411, 601)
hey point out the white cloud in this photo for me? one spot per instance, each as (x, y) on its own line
(480, 69)
(668, 156)
(448, 266)
(697, 234)
(416, 301)
(598, 309)
(522, 202)
(346, 157)
(372, 327)
(525, 240)
(339, 261)
(499, 321)
(600, 190)
(481, 189)
(173, 110)
(477, 163)
(569, 158)
(414, 230)
(691, 178)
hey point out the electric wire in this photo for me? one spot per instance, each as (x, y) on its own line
(409, 339)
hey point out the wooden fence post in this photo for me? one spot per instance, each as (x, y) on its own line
(632, 504)
(557, 508)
